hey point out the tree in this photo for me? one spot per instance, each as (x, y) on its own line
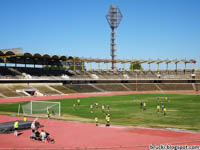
(135, 66)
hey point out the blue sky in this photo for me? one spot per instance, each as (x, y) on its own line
(149, 28)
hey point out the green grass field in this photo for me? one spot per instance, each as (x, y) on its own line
(182, 110)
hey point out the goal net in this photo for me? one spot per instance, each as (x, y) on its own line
(40, 108)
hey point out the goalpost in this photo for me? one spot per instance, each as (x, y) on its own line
(39, 108)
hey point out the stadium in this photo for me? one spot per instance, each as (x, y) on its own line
(32, 84)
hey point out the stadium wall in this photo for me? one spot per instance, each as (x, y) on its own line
(92, 81)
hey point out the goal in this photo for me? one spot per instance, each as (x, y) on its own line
(39, 108)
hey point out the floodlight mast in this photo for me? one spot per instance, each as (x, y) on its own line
(113, 17)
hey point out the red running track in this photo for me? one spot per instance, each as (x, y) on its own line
(75, 135)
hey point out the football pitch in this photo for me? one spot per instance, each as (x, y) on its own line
(182, 110)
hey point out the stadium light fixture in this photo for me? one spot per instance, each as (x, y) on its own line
(114, 17)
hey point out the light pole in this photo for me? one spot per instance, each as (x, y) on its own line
(113, 17)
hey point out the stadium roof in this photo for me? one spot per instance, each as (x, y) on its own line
(18, 56)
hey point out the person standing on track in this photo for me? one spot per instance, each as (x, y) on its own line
(16, 126)
(107, 120)
(96, 121)
(33, 127)
(25, 119)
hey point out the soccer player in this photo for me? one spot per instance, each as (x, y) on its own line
(108, 108)
(91, 108)
(158, 108)
(48, 113)
(78, 102)
(107, 120)
(163, 106)
(96, 121)
(103, 108)
(74, 107)
(96, 104)
(16, 126)
(144, 106)
(25, 119)
(164, 111)
(141, 104)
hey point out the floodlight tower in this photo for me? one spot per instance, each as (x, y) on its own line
(113, 17)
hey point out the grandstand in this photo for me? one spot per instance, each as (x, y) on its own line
(20, 71)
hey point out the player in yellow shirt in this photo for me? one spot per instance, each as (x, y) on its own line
(144, 106)
(164, 111)
(74, 107)
(25, 119)
(91, 108)
(16, 126)
(48, 113)
(103, 108)
(107, 120)
(78, 102)
(96, 105)
(158, 108)
(96, 121)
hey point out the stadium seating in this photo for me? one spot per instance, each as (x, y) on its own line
(39, 73)
(82, 88)
(147, 87)
(112, 87)
(63, 89)
(95, 81)
(175, 86)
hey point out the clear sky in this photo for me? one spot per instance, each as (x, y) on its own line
(149, 28)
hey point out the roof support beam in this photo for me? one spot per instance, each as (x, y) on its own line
(90, 66)
(74, 62)
(106, 67)
(82, 68)
(149, 67)
(99, 67)
(167, 67)
(124, 67)
(195, 67)
(158, 67)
